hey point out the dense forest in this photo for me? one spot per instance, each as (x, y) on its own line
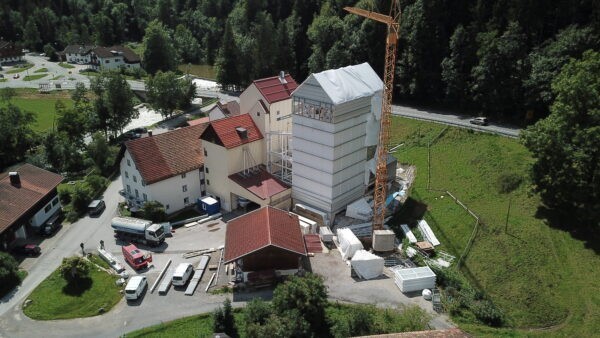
(488, 57)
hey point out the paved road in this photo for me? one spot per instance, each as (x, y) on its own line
(454, 120)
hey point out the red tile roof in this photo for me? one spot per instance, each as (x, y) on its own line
(261, 183)
(274, 90)
(15, 201)
(196, 122)
(223, 132)
(165, 155)
(261, 228)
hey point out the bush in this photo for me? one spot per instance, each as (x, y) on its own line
(257, 311)
(64, 194)
(72, 216)
(306, 294)
(154, 211)
(81, 197)
(74, 269)
(96, 183)
(9, 273)
(508, 182)
(487, 313)
(223, 320)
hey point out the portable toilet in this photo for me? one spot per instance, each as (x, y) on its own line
(210, 205)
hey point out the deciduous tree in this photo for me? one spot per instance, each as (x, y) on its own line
(159, 53)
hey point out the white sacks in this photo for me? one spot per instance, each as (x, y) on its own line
(367, 265)
(413, 279)
(349, 243)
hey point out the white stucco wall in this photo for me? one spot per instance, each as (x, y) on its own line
(78, 58)
(42, 215)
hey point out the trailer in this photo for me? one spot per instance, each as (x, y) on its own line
(138, 230)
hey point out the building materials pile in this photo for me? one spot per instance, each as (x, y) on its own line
(367, 265)
(199, 271)
(307, 226)
(326, 234)
(313, 243)
(384, 240)
(349, 243)
(360, 209)
(408, 233)
(428, 233)
(111, 260)
(413, 279)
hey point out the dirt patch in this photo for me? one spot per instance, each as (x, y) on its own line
(30, 93)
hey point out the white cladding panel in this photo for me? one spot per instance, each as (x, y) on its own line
(326, 178)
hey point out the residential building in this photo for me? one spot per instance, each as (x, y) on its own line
(335, 120)
(115, 57)
(269, 103)
(223, 110)
(80, 54)
(264, 243)
(234, 155)
(167, 168)
(9, 52)
(28, 198)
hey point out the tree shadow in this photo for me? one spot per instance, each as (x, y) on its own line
(77, 287)
(561, 220)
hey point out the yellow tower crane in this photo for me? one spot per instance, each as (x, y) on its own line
(393, 24)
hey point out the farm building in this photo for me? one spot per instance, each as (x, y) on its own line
(335, 121)
(265, 242)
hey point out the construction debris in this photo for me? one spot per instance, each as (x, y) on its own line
(360, 209)
(195, 253)
(408, 233)
(428, 233)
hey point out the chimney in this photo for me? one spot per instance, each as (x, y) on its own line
(150, 133)
(282, 77)
(243, 132)
(14, 178)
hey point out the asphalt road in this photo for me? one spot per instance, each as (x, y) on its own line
(454, 119)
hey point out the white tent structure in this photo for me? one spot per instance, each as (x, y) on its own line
(413, 279)
(367, 265)
(349, 243)
(331, 132)
(360, 209)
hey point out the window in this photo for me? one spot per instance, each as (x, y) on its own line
(55, 201)
(128, 162)
(207, 182)
(137, 194)
(205, 153)
(184, 188)
(107, 61)
(143, 183)
(201, 181)
(48, 207)
(183, 175)
(186, 201)
(134, 178)
(126, 175)
(145, 197)
(167, 207)
(128, 189)
(206, 169)
(257, 113)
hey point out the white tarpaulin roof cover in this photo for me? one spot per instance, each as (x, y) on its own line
(349, 243)
(349, 83)
(367, 265)
(359, 209)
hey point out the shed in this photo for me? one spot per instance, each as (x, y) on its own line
(210, 205)
(413, 279)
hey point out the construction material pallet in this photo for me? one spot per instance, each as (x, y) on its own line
(166, 283)
(197, 275)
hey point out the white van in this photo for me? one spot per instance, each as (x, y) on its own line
(182, 274)
(135, 287)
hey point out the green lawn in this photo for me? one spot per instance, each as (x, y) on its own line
(538, 275)
(41, 70)
(52, 299)
(34, 77)
(43, 108)
(3, 80)
(203, 71)
(66, 65)
(89, 73)
(19, 69)
(58, 77)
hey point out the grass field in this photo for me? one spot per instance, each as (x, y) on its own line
(66, 65)
(53, 299)
(42, 105)
(41, 70)
(19, 69)
(540, 276)
(203, 71)
(34, 77)
(3, 80)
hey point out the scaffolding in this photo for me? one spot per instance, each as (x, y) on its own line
(279, 160)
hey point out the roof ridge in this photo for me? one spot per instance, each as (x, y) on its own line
(268, 209)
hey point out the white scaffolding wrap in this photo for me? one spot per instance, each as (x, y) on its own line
(349, 83)
(367, 265)
(349, 243)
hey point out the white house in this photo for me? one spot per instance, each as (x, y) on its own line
(28, 198)
(223, 110)
(167, 168)
(80, 54)
(234, 153)
(268, 101)
(107, 58)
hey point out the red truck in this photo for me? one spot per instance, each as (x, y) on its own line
(135, 257)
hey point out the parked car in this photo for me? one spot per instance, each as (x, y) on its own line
(135, 287)
(52, 225)
(96, 207)
(1, 76)
(16, 76)
(27, 249)
(482, 121)
(182, 274)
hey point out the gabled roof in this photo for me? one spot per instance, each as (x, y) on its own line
(78, 49)
(15, 201)
(274, 89)
(165, 155)
(223, 131)
(261, 183)
(343, 84)
(106, 52)
(261, 228)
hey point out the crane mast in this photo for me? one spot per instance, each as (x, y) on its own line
(393, 24)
